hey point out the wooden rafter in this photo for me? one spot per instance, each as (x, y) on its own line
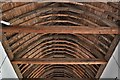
(108, 55)
(62, 29)
(30, 49)
(10, 55)
(112, 47)
(58, 61)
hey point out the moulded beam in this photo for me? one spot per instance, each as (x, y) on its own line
(62, 29)
(58, 61)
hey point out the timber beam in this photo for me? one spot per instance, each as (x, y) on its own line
(58, 61)
(62, 29)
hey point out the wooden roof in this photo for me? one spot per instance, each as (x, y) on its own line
(60, 40)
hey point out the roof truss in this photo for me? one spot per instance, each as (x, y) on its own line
(31, 49)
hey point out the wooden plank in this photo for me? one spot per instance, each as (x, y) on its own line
(62, 29)
(58, 61)
(10, 56)
(108, 55)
